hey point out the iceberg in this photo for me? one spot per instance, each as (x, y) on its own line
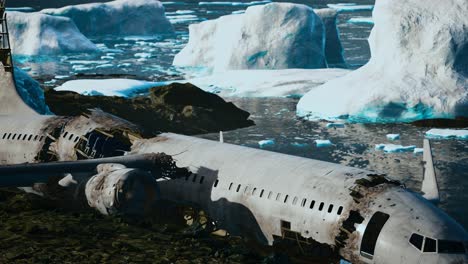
(39, 34)
(361, 20)
(30, 91)
(447, 133)
(333, 47)
(266, 143)
(120, 17)
(418, 68)
(265, 83)
(418, 151)
(391, 148)
(323, 143)
(271, 36)
(107, 87)
(393, 136)
(234, 3)
(348, 7)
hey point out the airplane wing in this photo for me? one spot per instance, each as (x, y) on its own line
(23, 175)
(429, 184)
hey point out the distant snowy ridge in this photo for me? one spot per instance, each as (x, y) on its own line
(418, 68)
(120, 17)
(271, 36)
(35, 33)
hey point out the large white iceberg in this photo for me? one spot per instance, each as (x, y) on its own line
(418, 68)
(30, 91)
(272, 36)
(35, 33)
(120, 17)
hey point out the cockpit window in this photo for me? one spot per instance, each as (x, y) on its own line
(451, 247)
(430, 245)
(416, 240)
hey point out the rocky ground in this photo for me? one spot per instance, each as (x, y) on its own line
(178, 108)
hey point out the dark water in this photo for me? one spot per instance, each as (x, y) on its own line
(354, 145)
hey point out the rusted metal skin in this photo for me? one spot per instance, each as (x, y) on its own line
(120, 190)
(22, 175)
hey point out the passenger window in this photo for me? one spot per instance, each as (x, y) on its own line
(416, 240)
(30, 137)
(261, 193)
(429, 245)
(304, 201)
(269, 195)
(321, 206)
(278, 197)
(41, 138)
(451, 247)
(19, 137)
(202, 179)
(330, 208)
(286, 198)
(25, 136)
(230, 185)
(65, 134)
(371, 234)
(9, 135)
(4, 135)
(238, 188)
(254, 191)
(312, 204)
(216, 183)
(194, 177)
(294, 201)
(35, 137)
(70, 137)
(77, 138)
(340, 210)
(14, 136)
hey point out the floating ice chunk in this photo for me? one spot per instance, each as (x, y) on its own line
(266, 83)
(105, 66)
(181, 12)
(143, 55)
(266, 143)
(121, 17)
(335, 125)
(51, 82)
(173, 3)
(234, 3)
(61, 77)
(107, 87)
(35, 33)
(350, 7)
(393, 136)
(124, 65)
(26, 69)
(238, 12)
(299, 145)
(81, 68)
(403, 42)
(87, 62)
(107, 57)
(361, 20)
(394, 148)
(323, 143)
(262, 38)
(183, 18)
(447, 133)
(418, 151)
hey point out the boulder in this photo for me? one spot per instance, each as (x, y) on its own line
(418, 69)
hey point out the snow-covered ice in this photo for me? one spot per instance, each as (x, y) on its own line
(20, 9)
(348, 7)
(30, 91)
(107, 87)
(323, 143)
(35, 33)
(120, 17)
(265, 83)
(447, 133)
(361, 20)
(271, 36)
(266, 143)
(418, 151)
(393, 136)
(418, 68)
(392, 148)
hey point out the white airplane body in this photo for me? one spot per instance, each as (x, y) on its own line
(268, 196)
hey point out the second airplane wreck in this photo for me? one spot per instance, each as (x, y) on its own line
(324, 208)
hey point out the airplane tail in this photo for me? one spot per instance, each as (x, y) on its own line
(10, 100)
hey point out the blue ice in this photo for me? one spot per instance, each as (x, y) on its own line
(323, 143)
(393, 136)
(266, 143)
(392, 148)
(447, 133)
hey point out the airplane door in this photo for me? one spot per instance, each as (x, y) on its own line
(371, 234)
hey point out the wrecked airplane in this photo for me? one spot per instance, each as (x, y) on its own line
(323, 208)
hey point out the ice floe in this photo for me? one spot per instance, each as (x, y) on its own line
(265, 83)
(176, 19)
(120, 17)
(266, 143)
(350, 7)
(271, 36)
(226, 3)
(323, 143)
(107, 87)
(418, 68)
(447, 133)
(35, 33)
(392, 148)
(361, 20)
(418, 151)
(393, 136)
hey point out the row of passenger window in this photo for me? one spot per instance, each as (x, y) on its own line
(278, 197)
(24, 137)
